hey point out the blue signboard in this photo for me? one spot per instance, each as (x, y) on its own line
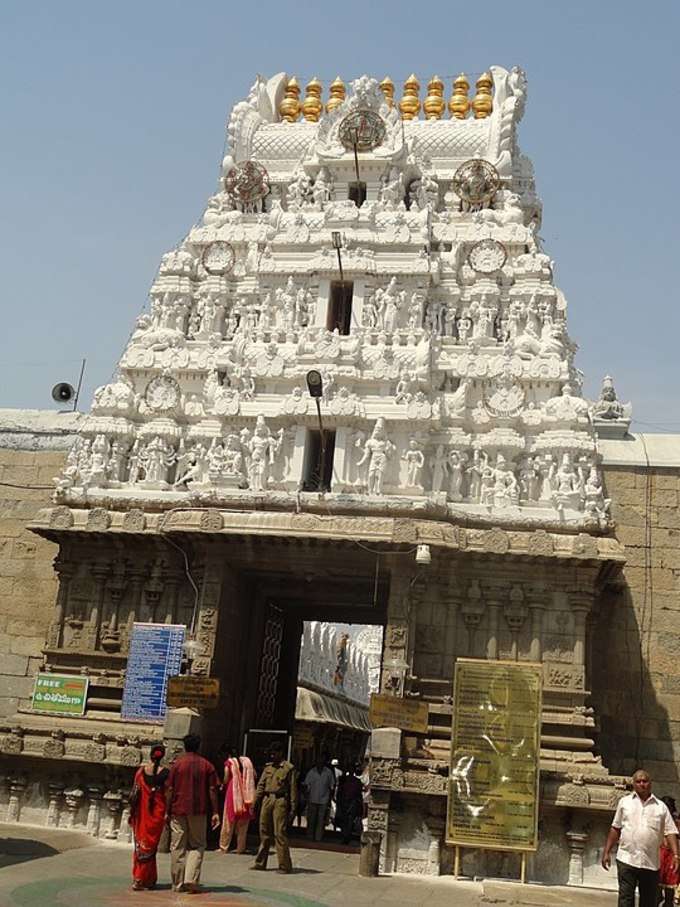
(155, 654)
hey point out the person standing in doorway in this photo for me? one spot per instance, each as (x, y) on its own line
(191, 791)
(319, 785)
(349, 803)
(277, 792)
(239, 781)
(640, 825)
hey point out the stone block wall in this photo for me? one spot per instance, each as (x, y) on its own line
(27, 580)
(636, 638)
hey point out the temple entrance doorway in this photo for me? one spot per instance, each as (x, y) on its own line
(293, 653)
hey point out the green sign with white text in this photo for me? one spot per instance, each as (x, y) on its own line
(60, 694)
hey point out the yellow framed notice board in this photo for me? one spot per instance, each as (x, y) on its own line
(495, 751)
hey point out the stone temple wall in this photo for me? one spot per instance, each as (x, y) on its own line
(33, 450)
(637, 679)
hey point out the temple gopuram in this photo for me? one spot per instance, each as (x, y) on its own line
(353, 398)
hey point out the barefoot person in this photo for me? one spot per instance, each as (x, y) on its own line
(147, 818)
(191, 791)
(239, 781)
(639, 827)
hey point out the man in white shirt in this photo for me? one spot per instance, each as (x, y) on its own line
(640, 824)
(319, 785)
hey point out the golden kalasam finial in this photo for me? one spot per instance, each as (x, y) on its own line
(482, 103)
(337, 94)
(459, 105)
(434, 103)
(289, 108)
(410, 103)
(312, 106)
(387, 87)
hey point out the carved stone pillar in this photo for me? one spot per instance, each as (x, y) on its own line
(396, 652)
(577, 844)
(91, 632)
(516, 613)
(537, 606)
(137, 610)
(94, 810)
(55, 793)
(125, 831)
(581, 603)
(65, 572)
(206, 623)
(17, 789)
(494, 602)
(74, 799)
(171, 587)
(114, 805)
(472, 611)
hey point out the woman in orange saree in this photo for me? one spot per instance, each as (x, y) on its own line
(147, 818)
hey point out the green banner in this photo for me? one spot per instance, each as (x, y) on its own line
(60, 693)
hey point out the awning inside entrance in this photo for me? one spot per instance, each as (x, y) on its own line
(312, 705)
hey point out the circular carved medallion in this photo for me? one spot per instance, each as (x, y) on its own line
(218, 257)
(487, 256)
(247, 183)
(476, 181)
(162, 394)
(362, 129)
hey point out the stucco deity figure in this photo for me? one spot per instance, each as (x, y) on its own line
(369, 313)
(414, 459)
(390, 302)
(456, 473)
(506, 488)
(415, 312)
(474, 475)
(487, 484)
(377, 453)
(392, 190)
(190, 471)
(530, 479)
(299, 191)
(117, 459)
(99, 461)
(159, 456)
(595, 502)
(439, 468)
(404, 389)
(566, 407)
(233, 456)
(323, 188)
(566, 483)
(464, 328)
(608, 405)
(457, 403)
(216, 460)
(262, 450)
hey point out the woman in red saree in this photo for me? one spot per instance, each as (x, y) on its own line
(669, 877)
(239, 780)
(147, 818)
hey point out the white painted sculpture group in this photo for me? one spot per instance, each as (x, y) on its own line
(456, 378)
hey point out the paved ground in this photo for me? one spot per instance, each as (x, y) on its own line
(44, 868)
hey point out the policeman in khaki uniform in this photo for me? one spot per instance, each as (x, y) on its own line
(277, 792)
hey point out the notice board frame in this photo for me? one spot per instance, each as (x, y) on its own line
(460, 840)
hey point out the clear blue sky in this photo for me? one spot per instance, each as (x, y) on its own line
(112, 120)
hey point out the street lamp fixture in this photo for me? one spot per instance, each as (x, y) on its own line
(336, 240)
(315, 388)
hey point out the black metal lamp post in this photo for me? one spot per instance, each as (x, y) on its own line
(315, 388)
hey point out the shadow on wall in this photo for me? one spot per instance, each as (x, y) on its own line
(635, 728)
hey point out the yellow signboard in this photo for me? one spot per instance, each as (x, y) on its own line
(495, 748)
(392, 711)
(188, 692)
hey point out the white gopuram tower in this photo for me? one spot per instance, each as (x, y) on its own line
(447, 487)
